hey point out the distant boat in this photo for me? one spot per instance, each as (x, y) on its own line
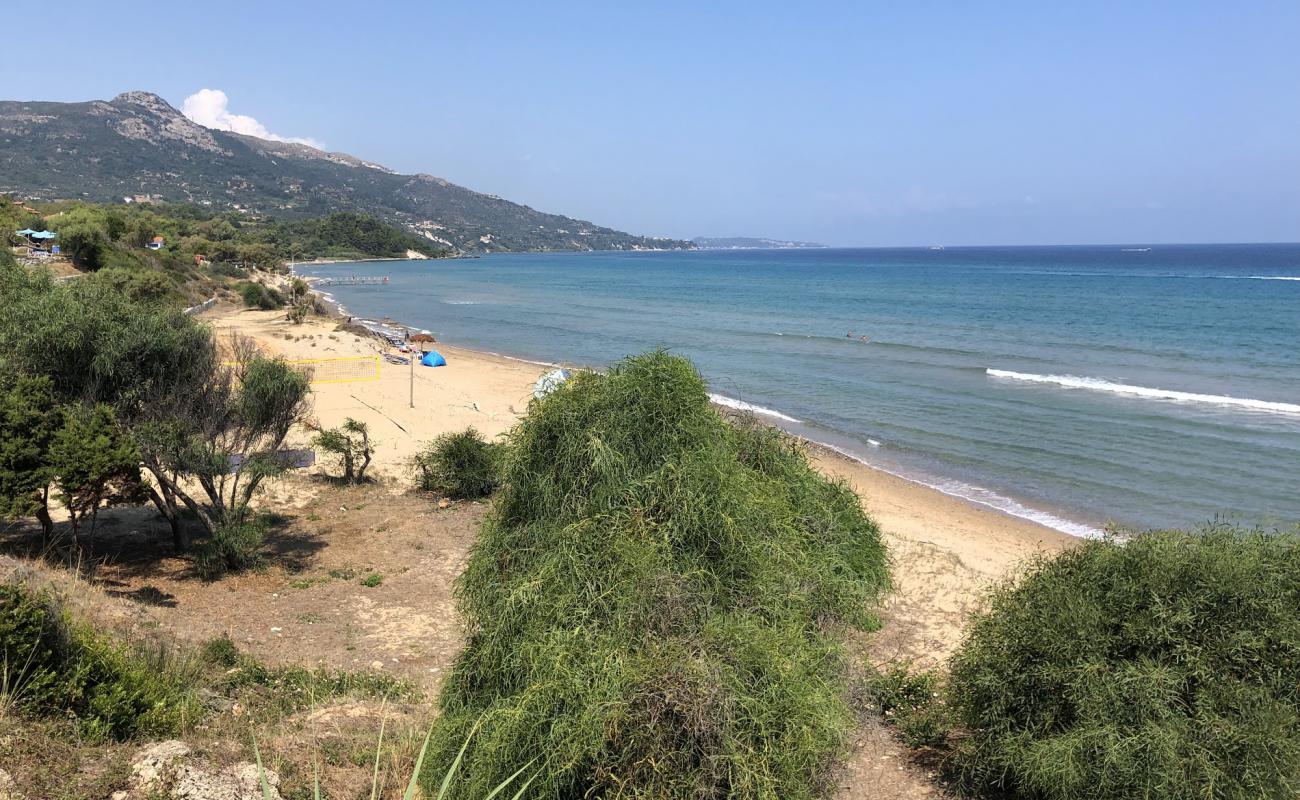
(937, 247)
(1135, 249)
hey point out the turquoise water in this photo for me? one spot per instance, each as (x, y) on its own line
(1072, 385)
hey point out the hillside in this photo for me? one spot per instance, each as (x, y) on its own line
(139, 145)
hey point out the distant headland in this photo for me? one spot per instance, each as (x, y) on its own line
(748, 243)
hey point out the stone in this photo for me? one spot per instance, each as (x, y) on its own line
(154, 763)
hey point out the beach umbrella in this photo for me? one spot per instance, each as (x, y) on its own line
(25, 232)
(423, 337)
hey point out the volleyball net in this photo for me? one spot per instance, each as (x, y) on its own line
(346, 369)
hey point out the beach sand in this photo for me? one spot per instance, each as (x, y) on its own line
(946, 552)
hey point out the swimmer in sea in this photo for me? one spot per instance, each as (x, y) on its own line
(848, 335)
(864, 339)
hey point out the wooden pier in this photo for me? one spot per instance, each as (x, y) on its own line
(352, 281)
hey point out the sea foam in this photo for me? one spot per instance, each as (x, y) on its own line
(1148, 393)
(741, 405)
(981, 496)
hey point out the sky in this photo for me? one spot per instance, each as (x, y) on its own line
(847, 123)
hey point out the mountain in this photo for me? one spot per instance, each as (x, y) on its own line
(138, 146)
(747, 243)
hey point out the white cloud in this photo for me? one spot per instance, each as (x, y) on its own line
(211, 109)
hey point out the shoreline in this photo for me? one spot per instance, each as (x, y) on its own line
(947, 551)
(973, 495)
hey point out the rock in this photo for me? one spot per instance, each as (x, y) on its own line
(155, 762)
(8, 790)
(239, 782)
(161, 767)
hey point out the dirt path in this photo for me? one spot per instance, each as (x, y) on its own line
(311, 606)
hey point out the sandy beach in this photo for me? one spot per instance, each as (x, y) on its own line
(945, 551)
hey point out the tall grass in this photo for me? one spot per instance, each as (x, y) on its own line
(655, 602)
(51, 665)
(1168, 667)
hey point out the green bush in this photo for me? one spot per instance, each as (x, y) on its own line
(459, 465)
(233, 547)
(256, 295)
(1165, 667)
(911, 702)
(54, 666)
(220, 652)
(655, 604)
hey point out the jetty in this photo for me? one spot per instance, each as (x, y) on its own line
(355, 280)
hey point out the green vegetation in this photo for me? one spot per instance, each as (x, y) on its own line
(115, 236)
(53, 666)
(911, 702)
(350, 444)
(256, 295)
(460, 465)
(656, 601)
(413, 783)
(94, 461)
(233, 546)
(372, 580)
(1165, 667)
(284, 690)
(249, 182)
(29, 423)
(134, 374)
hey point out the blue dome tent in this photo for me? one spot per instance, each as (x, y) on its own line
(433, 359)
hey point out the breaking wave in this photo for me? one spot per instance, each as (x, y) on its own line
(1148, 393)
(741, 405)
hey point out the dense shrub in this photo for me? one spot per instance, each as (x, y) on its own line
(458, 465)
(233, 546)
(255, 295)
(654, 605)
(1167, 667)
(53, 666)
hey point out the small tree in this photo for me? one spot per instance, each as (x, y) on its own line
(95, 462)
(256, 404)
(301, 301)
(84, 244)
(350, 444)
(29, 419)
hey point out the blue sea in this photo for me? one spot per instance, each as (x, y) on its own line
(1075, 386)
